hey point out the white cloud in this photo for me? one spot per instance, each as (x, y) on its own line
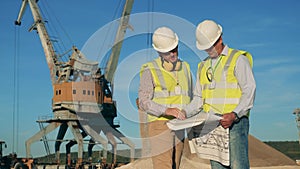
(273, 61)
(285, 69)
(252, 45)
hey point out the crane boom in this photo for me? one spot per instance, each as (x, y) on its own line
(114, 56)
(43, 34)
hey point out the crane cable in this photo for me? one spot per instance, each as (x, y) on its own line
(15, 114)
(57, 43)
(150, 21)
(106, 58)
(150, 28)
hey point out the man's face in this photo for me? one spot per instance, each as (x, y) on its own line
(216, 49)
(171, 56)
(212, 52)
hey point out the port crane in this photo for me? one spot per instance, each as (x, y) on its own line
(296, 112)
(81, 92)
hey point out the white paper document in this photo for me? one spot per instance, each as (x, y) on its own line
(213, 146)
(213, 140)
(195, 120)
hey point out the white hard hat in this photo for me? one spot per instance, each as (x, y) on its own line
(207, 33)
(164, 39)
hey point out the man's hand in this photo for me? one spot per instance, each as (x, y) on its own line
(176, 113)
(227, 120)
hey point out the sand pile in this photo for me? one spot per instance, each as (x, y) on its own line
(261, 156)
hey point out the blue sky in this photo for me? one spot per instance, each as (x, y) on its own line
(268, 29)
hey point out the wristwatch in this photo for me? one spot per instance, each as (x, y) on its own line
(236, 119)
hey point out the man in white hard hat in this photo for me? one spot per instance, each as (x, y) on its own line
(165, 87)
(226, 86)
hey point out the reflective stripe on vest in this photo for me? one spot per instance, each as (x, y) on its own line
(225, 95)
(164, 93)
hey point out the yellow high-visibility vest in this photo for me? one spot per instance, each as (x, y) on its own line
(223, 95)
(165, 83)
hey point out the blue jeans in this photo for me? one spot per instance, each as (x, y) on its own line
(238, 146)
